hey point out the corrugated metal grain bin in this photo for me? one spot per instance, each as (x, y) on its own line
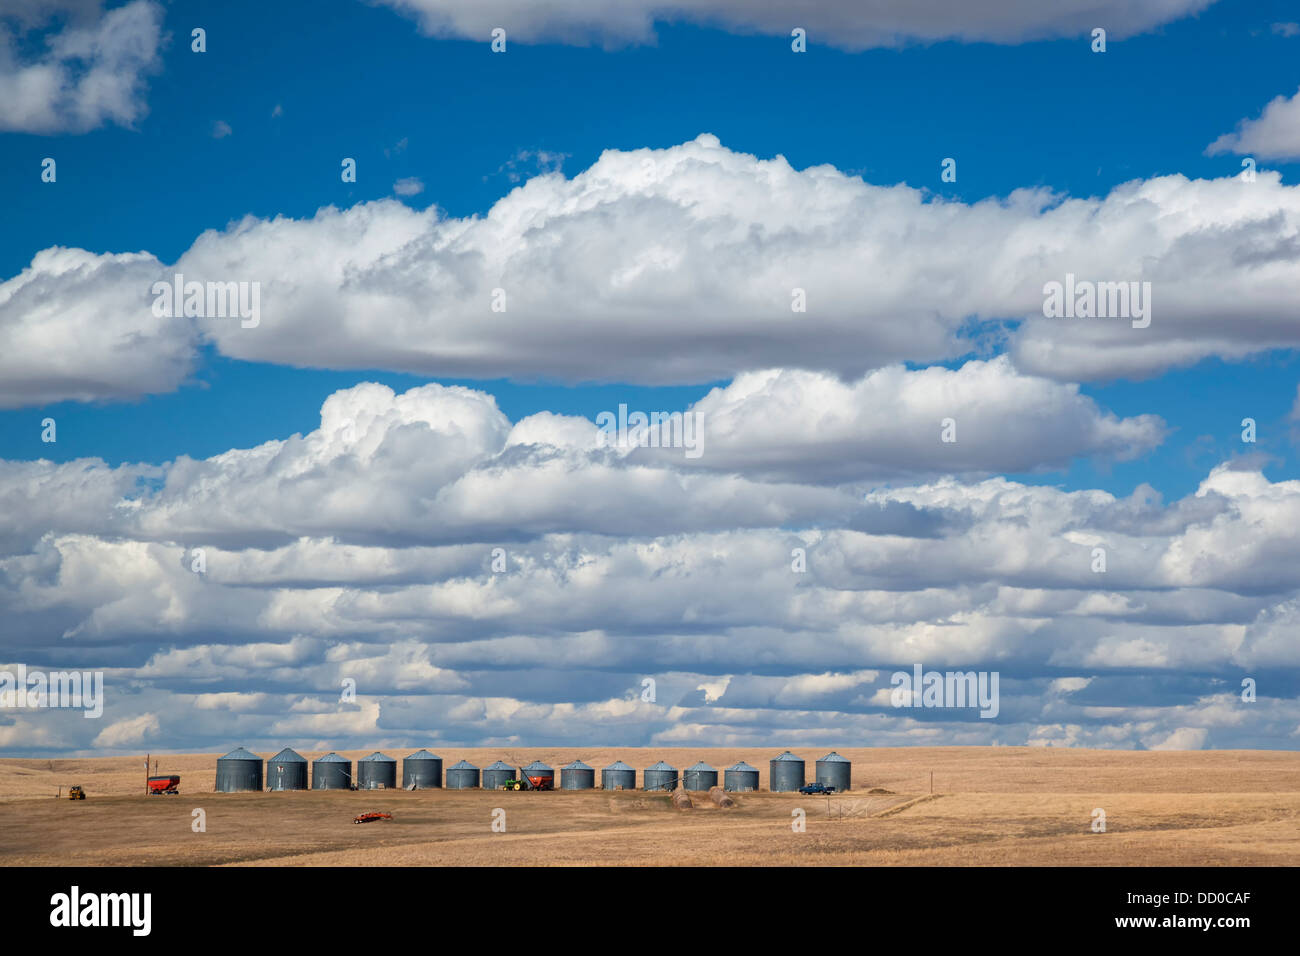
(496, 774)
(422, 771)
(331, 772)
(660, 776)
(618, 774)
(699, 777)
(239, 771)
(287, 770)
(785, 773)
(376, 772)
(462, 775)
(577, 776)
(740, 778)
(835, 771)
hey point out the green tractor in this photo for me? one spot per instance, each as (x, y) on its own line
(513, 784)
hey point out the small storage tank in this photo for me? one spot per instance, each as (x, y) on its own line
(287, 770)
(539, 769)
(239, 771)
(835, 771)
(422, 771)
(699, 777)
(660, 776)
(618, 774)
(740, 778)
(785, 773)
(331, 772)
(496, 774)
(577, 776)
(376, 772)
(462, 775)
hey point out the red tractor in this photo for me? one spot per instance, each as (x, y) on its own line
(166, 784)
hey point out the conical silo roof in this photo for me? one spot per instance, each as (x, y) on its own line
(239, 753)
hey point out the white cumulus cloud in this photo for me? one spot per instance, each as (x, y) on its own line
(89, 72)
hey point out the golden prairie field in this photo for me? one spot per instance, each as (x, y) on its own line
(1005, 806)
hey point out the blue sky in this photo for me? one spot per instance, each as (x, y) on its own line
(1049, 113)
(256, 127)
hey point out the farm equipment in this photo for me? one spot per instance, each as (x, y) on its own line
(160, 785)
(525, 781)
(76, 793)
(371, 816)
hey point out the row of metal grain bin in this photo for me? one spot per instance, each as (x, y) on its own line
(241, 770)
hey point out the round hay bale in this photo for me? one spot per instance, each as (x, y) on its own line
(721, 798)
(681, 801)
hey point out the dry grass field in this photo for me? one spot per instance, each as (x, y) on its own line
(990, 806)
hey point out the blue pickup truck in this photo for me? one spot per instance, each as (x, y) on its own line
(816, 788)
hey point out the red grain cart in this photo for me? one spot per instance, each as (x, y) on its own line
(167, 784)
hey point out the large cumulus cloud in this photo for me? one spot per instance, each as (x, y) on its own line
(481, 577)
(682, 265)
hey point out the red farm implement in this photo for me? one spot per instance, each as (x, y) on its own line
(160, 785)
(372, 816)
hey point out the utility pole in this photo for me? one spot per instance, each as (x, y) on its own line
(932, 781)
